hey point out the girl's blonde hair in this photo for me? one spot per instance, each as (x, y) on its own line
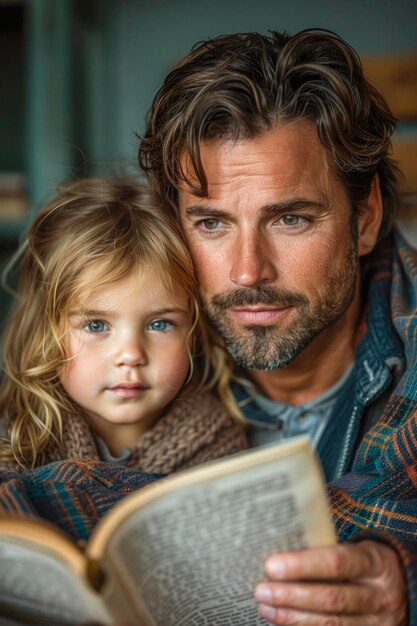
(111, 227)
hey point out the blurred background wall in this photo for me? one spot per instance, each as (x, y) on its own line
(77, 77)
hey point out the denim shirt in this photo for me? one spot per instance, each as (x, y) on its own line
(272, 421)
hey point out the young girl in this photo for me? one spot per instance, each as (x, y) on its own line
(106, 345)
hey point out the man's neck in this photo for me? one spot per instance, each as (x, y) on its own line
(318, 367)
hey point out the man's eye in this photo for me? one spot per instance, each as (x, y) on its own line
(291, 220)
(96, 326)
(160, 325)
(210, 224)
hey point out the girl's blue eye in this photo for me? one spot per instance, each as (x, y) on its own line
(96, 326)
(160, 325)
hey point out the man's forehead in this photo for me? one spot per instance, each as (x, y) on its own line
(284, 156)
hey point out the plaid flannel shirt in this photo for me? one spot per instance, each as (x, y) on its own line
(373, 466)
(72, 495)
(368, 449)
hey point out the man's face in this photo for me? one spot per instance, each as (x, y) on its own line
(272, 243)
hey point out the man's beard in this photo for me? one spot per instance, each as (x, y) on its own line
(260, 347)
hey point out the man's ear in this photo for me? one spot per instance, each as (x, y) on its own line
(370, 219)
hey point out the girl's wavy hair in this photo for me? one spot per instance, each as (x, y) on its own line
(242, 85)
(108, 229)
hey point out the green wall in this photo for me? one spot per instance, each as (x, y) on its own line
(93, 66)
(151, 35)
(89, 70)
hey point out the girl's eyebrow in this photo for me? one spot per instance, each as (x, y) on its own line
(168, 310)
(89, 312)
(101, 313)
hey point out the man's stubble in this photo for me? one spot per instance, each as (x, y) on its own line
(266, 348)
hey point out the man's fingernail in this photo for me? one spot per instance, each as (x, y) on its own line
(275, 568)
(263, 594)
(266, 611)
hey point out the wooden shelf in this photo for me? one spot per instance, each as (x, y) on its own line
(396, 77)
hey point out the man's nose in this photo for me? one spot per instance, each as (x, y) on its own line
(252, 261)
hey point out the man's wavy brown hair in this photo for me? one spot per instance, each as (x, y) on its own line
(240, 86)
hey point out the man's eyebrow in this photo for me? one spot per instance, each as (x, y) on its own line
(295, 204)
(199, 210)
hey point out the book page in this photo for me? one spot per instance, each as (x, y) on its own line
(194, 556)
(38, 588)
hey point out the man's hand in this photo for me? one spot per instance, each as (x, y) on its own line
(359, 584)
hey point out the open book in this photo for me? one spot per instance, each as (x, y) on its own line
(186, 550)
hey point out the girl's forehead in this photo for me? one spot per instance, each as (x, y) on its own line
(145, 281)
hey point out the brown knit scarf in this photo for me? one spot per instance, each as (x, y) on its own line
(196, 429)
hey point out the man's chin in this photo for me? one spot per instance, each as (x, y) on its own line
(258, 351)
(261, 358)
(270, 367)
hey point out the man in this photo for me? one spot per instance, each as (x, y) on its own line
(272, 151)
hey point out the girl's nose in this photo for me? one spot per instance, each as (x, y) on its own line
(132, 354)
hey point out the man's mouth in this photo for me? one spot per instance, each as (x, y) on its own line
(260, 315)
(264, 305)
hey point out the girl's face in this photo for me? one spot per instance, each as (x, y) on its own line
(127, 355)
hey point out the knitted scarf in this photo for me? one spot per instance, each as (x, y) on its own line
(196, 428)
